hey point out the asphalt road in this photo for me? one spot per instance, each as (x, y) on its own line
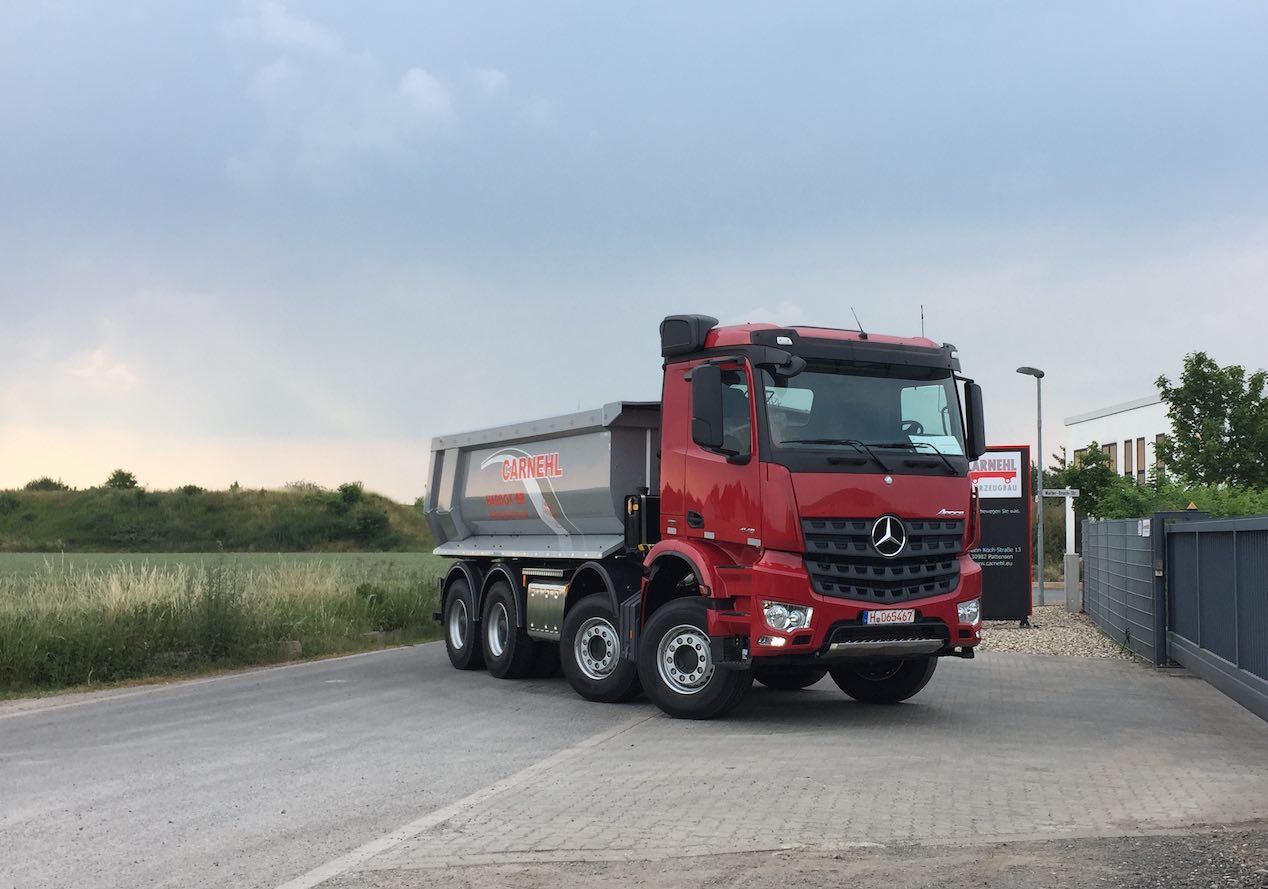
(392, 769)
(254, 778)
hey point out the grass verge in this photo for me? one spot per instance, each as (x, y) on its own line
(64, 626)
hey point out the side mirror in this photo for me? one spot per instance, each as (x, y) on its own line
(706, 406)
(976, 423)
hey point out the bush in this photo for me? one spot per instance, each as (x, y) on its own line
(46, 483)
(190, 519)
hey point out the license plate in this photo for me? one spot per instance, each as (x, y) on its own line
(890, 616)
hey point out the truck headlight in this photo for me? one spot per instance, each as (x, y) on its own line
(970, 611)
(786, 618)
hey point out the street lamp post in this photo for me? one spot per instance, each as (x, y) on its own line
(1038, 375)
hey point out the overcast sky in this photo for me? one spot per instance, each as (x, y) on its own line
(267, 242)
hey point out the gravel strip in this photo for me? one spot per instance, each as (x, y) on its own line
(1053, 630)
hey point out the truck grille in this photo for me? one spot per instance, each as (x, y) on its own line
(843, 563)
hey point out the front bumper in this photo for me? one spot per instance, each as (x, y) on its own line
(836, 630)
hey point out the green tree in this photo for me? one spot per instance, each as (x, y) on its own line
(1096, 480)
(121, 478)
(1219, 424)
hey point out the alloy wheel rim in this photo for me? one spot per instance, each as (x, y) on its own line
(459, 623)
(499, 629)
(683, 660)
(597, 648)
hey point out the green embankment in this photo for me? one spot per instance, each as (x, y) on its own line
(114, 584)
(190, 519)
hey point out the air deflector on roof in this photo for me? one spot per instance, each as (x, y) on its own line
(684, 334)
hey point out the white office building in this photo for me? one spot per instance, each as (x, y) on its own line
(1128, 432)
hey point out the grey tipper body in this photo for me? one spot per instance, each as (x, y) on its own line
(552, 488)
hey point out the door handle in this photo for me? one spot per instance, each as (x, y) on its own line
(694, 519)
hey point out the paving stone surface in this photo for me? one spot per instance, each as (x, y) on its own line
(1009, 746)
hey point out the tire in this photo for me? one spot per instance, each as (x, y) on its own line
(590, 649)
(676, 667)
(545, 659)
(789, 678)
(508, 652)
(885, 682)
(462, 630)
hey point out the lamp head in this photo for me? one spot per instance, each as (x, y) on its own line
(1031, 372)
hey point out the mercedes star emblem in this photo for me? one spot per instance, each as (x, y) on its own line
(889, 536)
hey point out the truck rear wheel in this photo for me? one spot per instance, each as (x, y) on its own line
(590, 648)
(788, 678)
(676, 665)
(462, 642)
(885, 682)
(508, 652)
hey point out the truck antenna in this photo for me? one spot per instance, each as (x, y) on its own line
(862, 332)
(922, 319)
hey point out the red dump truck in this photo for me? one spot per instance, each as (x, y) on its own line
(797, 504)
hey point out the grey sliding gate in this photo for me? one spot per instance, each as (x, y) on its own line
(1217, 604)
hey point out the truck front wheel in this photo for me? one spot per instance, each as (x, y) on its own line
(508, 652)
(591, 653)
(677, 668)
(885, 682)
(788, 678)
(462, 631)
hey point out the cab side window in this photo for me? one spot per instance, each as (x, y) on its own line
(737, 428)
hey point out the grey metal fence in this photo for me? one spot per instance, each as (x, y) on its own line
(1217, 603)
(1118, 585)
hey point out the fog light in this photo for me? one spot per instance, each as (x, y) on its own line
(970, 611)
(773, 641)
(786, 618)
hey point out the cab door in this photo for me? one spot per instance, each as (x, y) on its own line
(722, 490)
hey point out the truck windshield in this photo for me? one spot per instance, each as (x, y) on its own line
(835, 406)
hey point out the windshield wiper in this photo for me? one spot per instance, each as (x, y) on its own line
(912, 445)
(853, 442)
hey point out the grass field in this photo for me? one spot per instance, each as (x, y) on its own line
(19, 564)
(68, 621)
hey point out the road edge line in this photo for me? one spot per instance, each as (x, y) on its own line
(13, 708)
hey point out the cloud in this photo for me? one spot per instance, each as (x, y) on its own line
(99, 370)
(786, 313)
(271, 23)
(539, 112)
(426, 95)
(491, 83)
(330, 115)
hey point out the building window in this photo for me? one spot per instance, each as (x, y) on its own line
(1078, 457)
(1127, 458)
(1140, 460)
(1158, 439)
(1111, 451)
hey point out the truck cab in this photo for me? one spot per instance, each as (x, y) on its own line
(816, 483)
